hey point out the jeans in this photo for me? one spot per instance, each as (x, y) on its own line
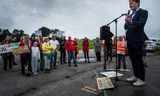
(34, 64)
(62, 55)
(121, 57)
(47, 58)
(71, 54)
(86, 56)
(98, 56)
(41, 61)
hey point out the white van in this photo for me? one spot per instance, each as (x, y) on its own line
(151, 45)
(157, 40)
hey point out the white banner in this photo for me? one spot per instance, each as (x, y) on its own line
(7, 47)
(39, 33)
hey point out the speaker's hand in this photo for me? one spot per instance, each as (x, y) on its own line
(128, 19)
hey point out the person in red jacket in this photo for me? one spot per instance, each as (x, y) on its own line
(70, 47)
(25, 58)
(85, 46)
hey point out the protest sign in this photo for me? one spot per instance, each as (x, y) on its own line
(39, 33)
(8, 47)
(21, 49)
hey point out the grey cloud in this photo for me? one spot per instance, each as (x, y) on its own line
(6, 22)
(72, 15)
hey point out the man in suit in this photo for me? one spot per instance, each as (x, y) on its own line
(134, 26)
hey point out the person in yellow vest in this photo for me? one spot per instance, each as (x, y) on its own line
(121, 51)
(46, 47)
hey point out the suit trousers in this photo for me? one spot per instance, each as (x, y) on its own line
(135, 53)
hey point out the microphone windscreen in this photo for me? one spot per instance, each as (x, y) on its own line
(128, 12)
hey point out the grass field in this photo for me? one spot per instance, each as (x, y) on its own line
(91, 44)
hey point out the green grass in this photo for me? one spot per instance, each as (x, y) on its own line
(91, 44)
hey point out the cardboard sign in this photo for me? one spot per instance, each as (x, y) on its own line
(104, 83)
(20, 50)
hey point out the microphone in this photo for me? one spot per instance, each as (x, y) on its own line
(126, 14)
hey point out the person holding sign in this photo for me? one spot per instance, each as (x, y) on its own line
(26, 56)
(7, 57)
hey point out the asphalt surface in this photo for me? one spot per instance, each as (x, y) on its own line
(68, 81)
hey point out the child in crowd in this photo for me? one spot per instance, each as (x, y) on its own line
(35, 57)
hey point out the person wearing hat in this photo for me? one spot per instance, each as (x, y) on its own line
(47, 48)
(135, 35)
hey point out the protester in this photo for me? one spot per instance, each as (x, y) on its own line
(62, 50)
(85, 46)
(55, 47)
(97, 48)
(35, 57)
(70, 47)
(41, 53)
(33, 39)
(25, 57)
(7, 57)
(121, 51)
(47, 48)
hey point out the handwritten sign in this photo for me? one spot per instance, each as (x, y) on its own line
(7, 47)
(21, 49)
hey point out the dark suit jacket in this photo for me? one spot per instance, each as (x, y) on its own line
(135, 31)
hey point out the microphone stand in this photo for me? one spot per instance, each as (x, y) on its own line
(116, 20)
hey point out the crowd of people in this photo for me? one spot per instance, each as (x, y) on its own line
(42, 53)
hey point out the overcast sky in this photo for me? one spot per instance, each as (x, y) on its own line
(78, 18)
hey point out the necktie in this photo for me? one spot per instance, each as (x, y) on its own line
(133, 13)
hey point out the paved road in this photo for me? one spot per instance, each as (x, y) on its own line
(68, 81)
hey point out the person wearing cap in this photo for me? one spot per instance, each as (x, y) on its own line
(135, 35)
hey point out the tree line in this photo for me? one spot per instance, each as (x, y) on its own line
(18, 33)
